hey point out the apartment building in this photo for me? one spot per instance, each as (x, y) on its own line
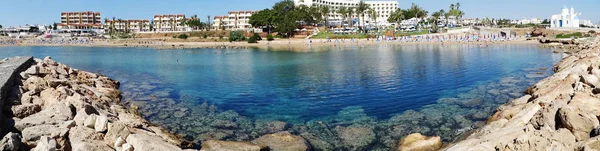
(131, 25)
(80, 20)
(171, 22)
(235, 20)
(384, 8)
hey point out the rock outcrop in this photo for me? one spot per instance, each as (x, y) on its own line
(559, 113)
(61, 108)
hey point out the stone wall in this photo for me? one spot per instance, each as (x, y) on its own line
(9, 73)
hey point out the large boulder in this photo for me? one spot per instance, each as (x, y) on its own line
(144, 141)
(418, 142)
(216, 145)
(34, 133)
(578, 122)
(283, 141)
(115, 131)
(52, 115)
(83, 138)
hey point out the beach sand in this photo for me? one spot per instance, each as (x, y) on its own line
(278, 44)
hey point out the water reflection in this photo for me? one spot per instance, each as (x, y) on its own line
(387, 90)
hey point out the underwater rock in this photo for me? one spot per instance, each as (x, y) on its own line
(418, 142)
(355, 137)
(284, 141)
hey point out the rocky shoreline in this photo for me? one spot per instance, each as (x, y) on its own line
(558, 113)
(50, 106)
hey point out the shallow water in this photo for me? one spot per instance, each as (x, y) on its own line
(388, 92)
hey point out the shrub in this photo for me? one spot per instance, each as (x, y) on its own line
(574, 35)
(257, 36)
(592, 32)
(270, 37)
(220, 36)
(236, 36)
(252, 39)
(205, 36)
(183, 36)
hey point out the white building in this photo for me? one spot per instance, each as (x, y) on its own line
(127, 25)
(566, 19)
(236, 20)
(383, 8)
(169, 23)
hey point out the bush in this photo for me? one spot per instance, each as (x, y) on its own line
(252, 39)
(574, 35)
(270, 37)
(220, 36)
(592, 32)
(257, 36)
(205, 36)
(183, 36)
(236, 36)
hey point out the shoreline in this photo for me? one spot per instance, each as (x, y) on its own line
(290, 44)
(557, 113)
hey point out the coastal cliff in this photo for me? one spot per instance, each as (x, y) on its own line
(558, 113)
(49, 106)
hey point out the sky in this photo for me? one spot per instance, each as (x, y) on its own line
(48, 11)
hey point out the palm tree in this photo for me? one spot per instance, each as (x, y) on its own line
(120, 22)
(324, 10)
(361, 10)
(373, 15)
(208, 23)
(342, 11)
(172, 23)
(350, 13)
(436, 16)
(396, 17)
(419, 12)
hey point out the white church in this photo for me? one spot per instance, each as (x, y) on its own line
(566, 19)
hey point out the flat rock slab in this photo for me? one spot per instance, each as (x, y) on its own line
(9, 69)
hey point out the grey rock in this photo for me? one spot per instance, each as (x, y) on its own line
(143, 141)
(25, 110)
(11, 141)
(52, 115)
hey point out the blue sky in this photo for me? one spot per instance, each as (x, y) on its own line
(48, 11)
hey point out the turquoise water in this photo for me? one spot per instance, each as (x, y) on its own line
(389, 91)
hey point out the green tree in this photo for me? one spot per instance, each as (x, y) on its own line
(435, 18)
(546, 21)
(315, 12)
(361, 10)
(262, 18)
(343, 12)
(325, 10)
(284, 19)
(54, 26)
(396, 16)
(373, 15)
(0, 26)
(350, 11)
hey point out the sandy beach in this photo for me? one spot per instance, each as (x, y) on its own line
(278, 44)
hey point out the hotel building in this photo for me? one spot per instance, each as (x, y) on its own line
(127, 25)
(80, 20)
(236, 20)
(383, 8)
(169, 23)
